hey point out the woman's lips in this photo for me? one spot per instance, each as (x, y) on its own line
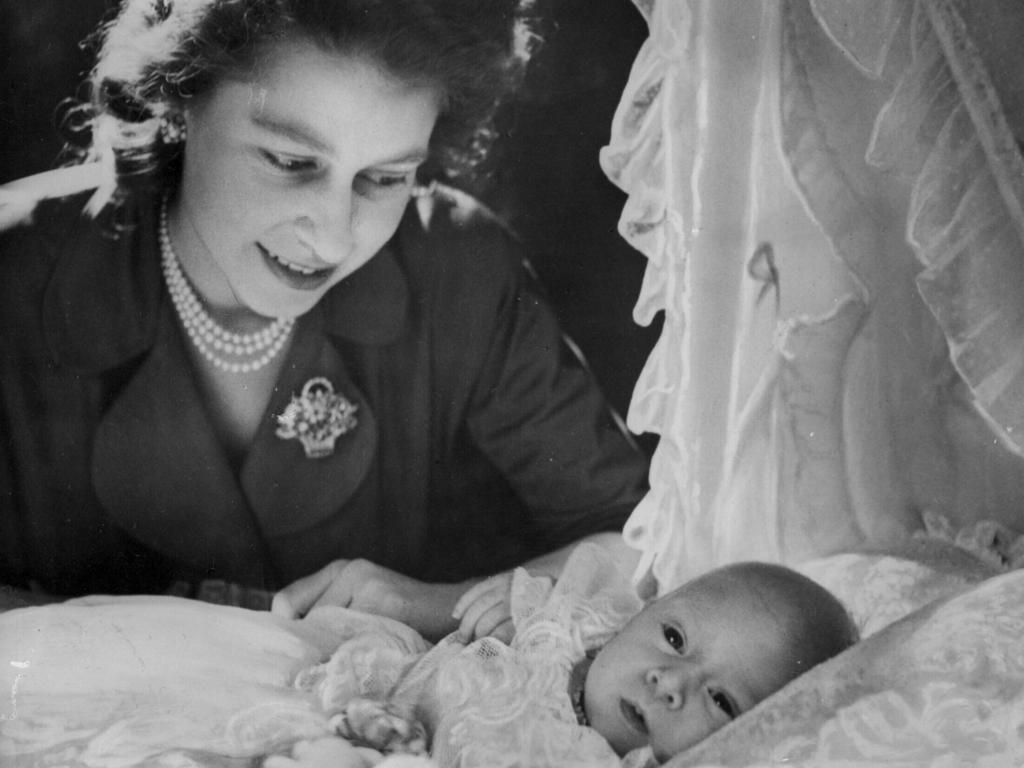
(293, 275)
(633, 716)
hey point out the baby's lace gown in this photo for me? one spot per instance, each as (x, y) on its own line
(491, 705)
(162, 682)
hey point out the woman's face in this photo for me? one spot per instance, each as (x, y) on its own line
(295, 176)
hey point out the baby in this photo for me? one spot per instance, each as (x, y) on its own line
(590, 675)
(703, 654)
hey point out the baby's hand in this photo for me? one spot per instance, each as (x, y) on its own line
(485, 609)
(370, 723)
(330, 752)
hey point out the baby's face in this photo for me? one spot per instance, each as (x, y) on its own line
(686, 665)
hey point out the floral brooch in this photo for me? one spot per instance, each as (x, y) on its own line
(316, 418)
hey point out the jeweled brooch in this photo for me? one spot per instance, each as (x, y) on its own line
(317, 418)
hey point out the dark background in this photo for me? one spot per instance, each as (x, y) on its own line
(546, 180)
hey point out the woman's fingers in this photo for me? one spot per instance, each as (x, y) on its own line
(469, 625)
(300, 596)
(365, 586)
(501, 582)
(504, 631)
(491, 620)
(484, 606)
(470, 596)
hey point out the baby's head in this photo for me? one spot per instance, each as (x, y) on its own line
(698, 657)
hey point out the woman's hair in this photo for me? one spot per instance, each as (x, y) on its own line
(156, 54)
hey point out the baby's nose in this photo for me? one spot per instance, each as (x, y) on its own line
(669, 686)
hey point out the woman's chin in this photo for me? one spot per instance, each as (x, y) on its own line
(283, 303)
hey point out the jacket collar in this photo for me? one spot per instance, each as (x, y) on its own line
(157, 465)
(161, 474)
(102, 303)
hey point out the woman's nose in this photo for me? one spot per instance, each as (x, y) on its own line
(327, 233)
(669, 686)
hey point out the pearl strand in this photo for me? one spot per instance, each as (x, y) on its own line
(208, 336)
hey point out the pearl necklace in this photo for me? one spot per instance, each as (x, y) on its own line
(212, 340)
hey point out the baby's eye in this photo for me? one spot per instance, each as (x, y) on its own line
(674, 637)
(723, 703)
(288, 163)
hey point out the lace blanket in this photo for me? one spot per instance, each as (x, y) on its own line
(165, 682)
(169, 683)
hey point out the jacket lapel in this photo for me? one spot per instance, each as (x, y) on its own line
(290, 492)
(157, 465)
(163, 477)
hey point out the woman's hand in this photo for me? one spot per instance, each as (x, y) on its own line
(365, 586)
(485, 610)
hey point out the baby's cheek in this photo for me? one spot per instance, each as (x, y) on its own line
(680, 732)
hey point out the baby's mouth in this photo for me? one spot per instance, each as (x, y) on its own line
(634, 716)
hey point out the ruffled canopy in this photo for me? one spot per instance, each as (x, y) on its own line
(830, 195)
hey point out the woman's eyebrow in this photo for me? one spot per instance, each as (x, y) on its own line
(301, 133)
(291, 129)
(415, 156)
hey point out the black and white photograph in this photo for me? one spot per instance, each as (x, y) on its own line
(511, 383)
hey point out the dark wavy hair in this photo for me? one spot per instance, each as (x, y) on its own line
(155, 54)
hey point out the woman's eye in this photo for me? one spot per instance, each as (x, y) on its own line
(674, 637)
(389, 180)
(723, 703)
(289, 163)
(385, 186)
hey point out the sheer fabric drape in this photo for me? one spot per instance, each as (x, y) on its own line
(831, 199)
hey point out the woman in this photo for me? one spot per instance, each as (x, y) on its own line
(257, 364)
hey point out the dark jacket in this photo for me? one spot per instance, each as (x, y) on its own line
(480, 441)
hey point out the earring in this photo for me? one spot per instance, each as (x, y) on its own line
(425, 200)
(425, 191)
(172, 128)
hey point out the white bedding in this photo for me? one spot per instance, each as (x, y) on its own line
(164, 682)
(169, 683)
(161, 681)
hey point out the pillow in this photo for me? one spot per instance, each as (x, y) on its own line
(881, 587)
